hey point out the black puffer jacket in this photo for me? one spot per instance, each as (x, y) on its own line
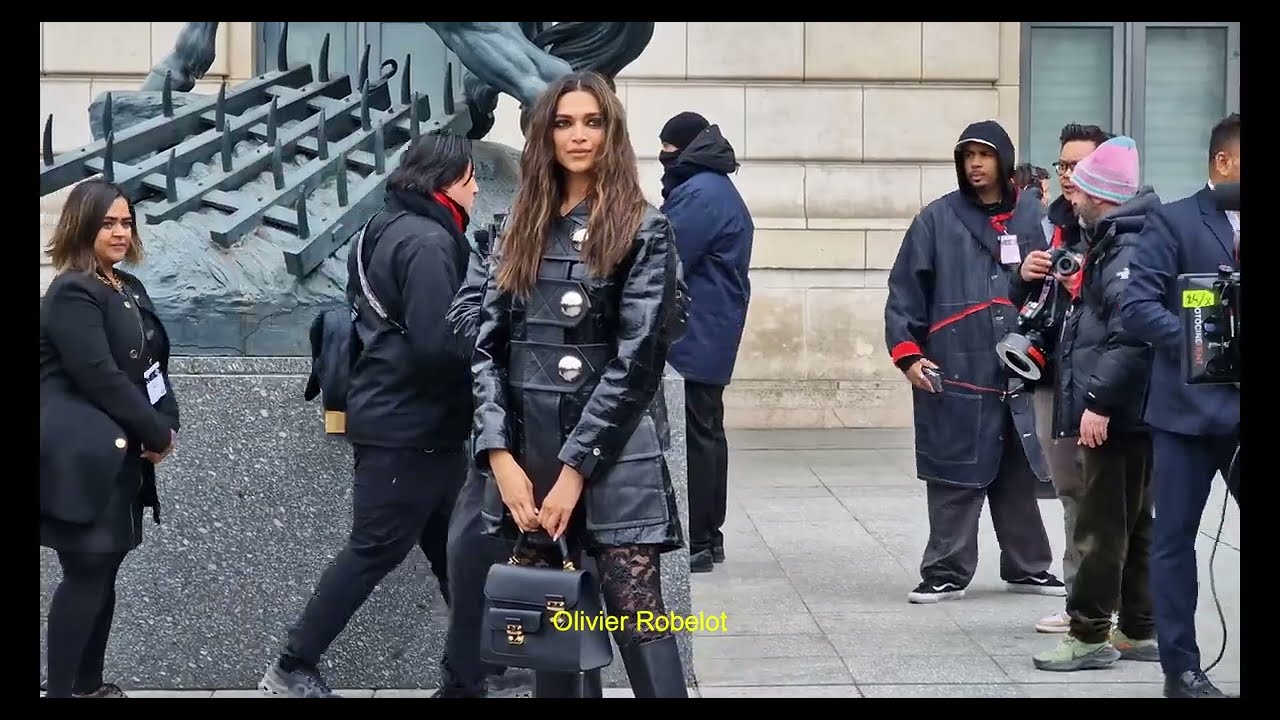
(1101, 367)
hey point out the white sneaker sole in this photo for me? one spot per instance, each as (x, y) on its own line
(931, 598)
(1047, 590)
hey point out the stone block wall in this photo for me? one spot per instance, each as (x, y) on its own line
(843, 130)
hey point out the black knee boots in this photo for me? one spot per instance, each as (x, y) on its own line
(568, 685)
(654, 669)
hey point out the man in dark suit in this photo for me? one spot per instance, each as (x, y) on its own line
(1195, 428)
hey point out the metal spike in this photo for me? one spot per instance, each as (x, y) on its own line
(46, 147)
(228, 149)
(107, 121)
(171, 177)
(364, 106)
(277, 166)
(448, 89)
(414, 130)
(272, 122)
(343, 198)
(406, 92)
(303, 231)
(364, 66)
(108, 164)
(426, 108)
(323, 68)
(220, 111)
(322, 136)
(379, 153)
(282, 50)
(166, 94)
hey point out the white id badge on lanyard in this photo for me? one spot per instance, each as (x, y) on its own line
(1009, 253)
(155, 383)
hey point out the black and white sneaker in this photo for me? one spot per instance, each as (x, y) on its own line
(1043, 583)
(931, 592)
(301, 682)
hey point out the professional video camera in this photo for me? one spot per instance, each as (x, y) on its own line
(1210, 311)
(1026, 350)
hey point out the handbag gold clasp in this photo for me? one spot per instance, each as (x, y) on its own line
(515, 635)
(555, 605)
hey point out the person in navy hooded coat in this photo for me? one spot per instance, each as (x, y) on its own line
(713, 231)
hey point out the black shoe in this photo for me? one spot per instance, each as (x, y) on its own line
(1190, 684)
(701, 562)
(654, 669)
(301, 682)
(1043, 583)
(932, 591)
(717, 549)
(454, 691)
(568, 685)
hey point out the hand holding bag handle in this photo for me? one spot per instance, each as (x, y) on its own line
(524, 611)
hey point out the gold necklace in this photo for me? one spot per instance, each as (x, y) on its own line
(112, 282)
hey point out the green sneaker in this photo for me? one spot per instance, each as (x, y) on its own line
(1130, 649)
(1071, 654)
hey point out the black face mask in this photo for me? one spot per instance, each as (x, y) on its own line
(669, 158)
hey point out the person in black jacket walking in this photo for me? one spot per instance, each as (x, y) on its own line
(108, 416)
(409, 402)
(1103, 374)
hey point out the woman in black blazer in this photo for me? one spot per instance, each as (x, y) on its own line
(107, 417)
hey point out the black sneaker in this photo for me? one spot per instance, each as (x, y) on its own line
(1191, 684)
(935, 591)
(302, 682)
(1043, 583)
(717, 548)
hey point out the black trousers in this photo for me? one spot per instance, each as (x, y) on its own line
(80, 616)
(397, 492)
(951, 554)
(708, 461)
(470, 553)
(1113, 532)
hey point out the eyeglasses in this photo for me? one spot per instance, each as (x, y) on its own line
(1063, 167)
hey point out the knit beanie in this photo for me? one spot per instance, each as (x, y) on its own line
(682, 129)
(1109, 173)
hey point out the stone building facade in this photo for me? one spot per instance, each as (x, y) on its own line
(843, 131)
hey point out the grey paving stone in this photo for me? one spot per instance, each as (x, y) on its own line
(750, 647)
(191, 694)
(823, 670)
(886, 666)
(781, 691)
(943, 690)
(1021, 670)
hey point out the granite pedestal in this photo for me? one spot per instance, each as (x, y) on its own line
(256, 501)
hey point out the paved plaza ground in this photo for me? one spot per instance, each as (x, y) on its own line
(823, 540)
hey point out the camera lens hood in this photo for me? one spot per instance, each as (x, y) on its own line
(1021, 355)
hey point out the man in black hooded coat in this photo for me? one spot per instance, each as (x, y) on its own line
(948, 306)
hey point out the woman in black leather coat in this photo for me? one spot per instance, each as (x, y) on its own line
(107, 416)
(581, 306)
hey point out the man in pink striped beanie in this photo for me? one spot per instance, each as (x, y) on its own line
(1106, 178)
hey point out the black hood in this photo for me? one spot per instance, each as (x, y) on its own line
(988, 132)
(1125, 221)
(709, 151)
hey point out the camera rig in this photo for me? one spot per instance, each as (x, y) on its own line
(1026, 350)
(1209, 307)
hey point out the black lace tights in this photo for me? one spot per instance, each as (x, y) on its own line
(631, 578)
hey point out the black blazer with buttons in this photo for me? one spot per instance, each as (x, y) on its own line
(94, 409)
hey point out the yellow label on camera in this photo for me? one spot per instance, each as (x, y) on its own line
(1199, 298)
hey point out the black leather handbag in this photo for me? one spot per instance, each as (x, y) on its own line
(544, 618)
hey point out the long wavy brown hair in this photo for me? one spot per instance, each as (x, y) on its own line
(617, 202)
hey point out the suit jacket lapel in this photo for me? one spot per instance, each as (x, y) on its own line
(1217, 222)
